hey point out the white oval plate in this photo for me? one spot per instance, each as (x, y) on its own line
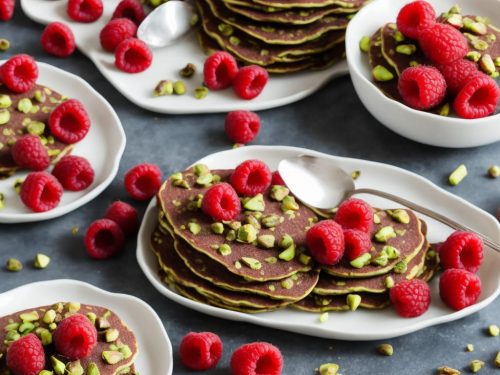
(155, 350)
(103, 147)
(362, 324)
(167, 62)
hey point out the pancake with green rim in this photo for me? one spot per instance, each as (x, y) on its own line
(175, 200)
(308, 3)
(271, 33)
(126, 337)
(19, 126)
(316, 303)
(409, 243)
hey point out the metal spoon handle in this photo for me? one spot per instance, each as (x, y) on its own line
(443, 219)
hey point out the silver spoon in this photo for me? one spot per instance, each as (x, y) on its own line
(166, 23)
(321, 184)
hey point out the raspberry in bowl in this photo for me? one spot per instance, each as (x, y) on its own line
(431, 128)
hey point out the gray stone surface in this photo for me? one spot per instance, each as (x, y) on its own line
(334, 121)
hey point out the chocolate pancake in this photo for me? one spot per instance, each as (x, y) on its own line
(308, 3)
(317, 303)
(409, 243)
(126, 338)
(175, 202)
(19, 125)
(271, 33)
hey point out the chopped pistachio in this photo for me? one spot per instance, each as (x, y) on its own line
(361, 261)
(41, 261)
(45, 337)
(381, 74)
(323, 318)
(270, 221)
(4, 45)
(176, 176)
(4, 116)
(58, 366)
(217, 228)
(92, 317)
(14, 265)
(255, 203)
(406, 49)
(381, 259)
(271, 260)
(111, 334)
(469, 348)
(201, 169)
(36, 127)
(458, 175)
(494, 171)
(286, 241)
(473, 56)
(353, 301)
(364, 43)
(385, 349)
(200, 92)
(92, 369)
(112, 357)
(400, 267)
(12, 336)
(224, 249)
(205, 180)
(74, 368)
(26, 327)
(431, 254)
(266, 241)
(73, 307)
(194, 228)
(163, 88)
(179, 88)
(376, 219)
(181, 183)
(252, 263)
(279, 192)
(455, 9)
(246, 233)
(479, 44)
(493, 330)
(497, 360)
(399, 215)
(476, 365)
(5, 101)
(497, 61)
(287, 283)
(231, 235)
(444, 110)
(445, 370)
(225, 29)
(486, 64)
(455, 20)
(288, 254)
(389, 282)
(391, 251)
(304, 259)
(125, 350)
(384, 234)
(329, 369)
(398, 36)
(103, 323)
(188, 71)
(355, 174)
(11, 327)
(252, 220)
(288, 203)
(46, 372)
(24, 105)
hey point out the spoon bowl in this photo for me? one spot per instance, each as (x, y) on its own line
(419, 126)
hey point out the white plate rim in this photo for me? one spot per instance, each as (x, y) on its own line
(149, 221)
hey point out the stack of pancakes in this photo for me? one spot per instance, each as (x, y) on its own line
(281, 36)
(252, 277)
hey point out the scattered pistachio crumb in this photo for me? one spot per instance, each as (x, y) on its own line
(41, 261)
(355, 174)
(188, 71)
(476, 365)
(14, 265)
(458, 175)
(494, 171)
(4, 45)
(328, 369)
(493, 330)
(323, 318)
(74, 230)
(445, 370)
(497, 360)
(385, 349)
(469, 348)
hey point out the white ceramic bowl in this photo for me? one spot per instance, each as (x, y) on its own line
(416, 125)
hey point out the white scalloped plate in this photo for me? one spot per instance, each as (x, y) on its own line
(167, 62)
(155, 350)
(361, 324)
(103, 147)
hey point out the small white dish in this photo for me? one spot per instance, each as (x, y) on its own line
(168, 61)
(155, 350)
(419, 126)
(362, 324)
(103, 147)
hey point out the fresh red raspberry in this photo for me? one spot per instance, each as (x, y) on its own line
(41, 191)
(7, 9)
(116, 31)
(250, 81)
(19, 73)
(356, 243)
(219, 70)
(411, 298)
(74, 173)
(251, 177)
(355, 213)
(442, 43)
(58, 39)
(25, 356)
(131, 9)
(143, 181)
(414, 17)
(477, 98)
(75, 337)
(462, 250)
(133, 56)
(28, 152)
(459, 288)
(257, 358)
(84, 10)
(457, 74)
(325, 241)
(242, 126)
(103, 239)
(69, 121)
(200, 351)
(221, 202)
(124, 215)
(277, 179)
(422, 87)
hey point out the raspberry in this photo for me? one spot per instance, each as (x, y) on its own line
(459, 288)
(200, 351)
(41, 191)
(19, 73)
(355, 214)
(143, 181)
(477, 98)
(74, 173)
(58, 39)
(75, 337)
(116, 31)
(442, 43)
(69, 121)
(257, 358)
(219, 70)
(7, 9)
(221, 202)
(414, 17)
(133, 56)
(250, 81)
(410, 298)
(84, 10)
(29, 152)
(104, 238)
(462, 250)
(124, 215)
(251, 177)
(277, 179)
(25, 356)
(356, 243)
(131, 9)
(422, 87)
(325, 241)
(242, 126)
(456, 74)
